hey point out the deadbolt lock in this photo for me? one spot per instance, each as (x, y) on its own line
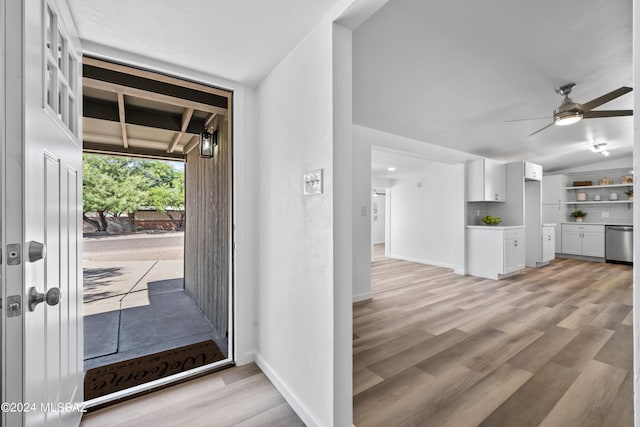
(14, 306)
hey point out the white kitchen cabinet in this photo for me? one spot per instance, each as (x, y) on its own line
(548, 243)
(495, 252)
(554, 209)
(532, 171)
(583, 239)
(514, 255)
(486, 181)
(554, 214)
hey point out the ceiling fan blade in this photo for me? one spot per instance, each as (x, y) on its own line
(541, 129)
(605, 98)
(531, 118)
(607, 113)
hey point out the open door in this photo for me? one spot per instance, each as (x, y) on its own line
(41, 214)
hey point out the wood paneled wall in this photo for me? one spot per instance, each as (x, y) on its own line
(208, 229)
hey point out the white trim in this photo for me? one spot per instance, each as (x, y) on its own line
(303, 412)
(423, 261)
(362, 297)
(151, 385)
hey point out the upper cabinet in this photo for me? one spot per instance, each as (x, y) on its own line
(532, 172)
(486, 181)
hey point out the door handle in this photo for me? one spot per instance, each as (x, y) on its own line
(52, 297)
(37, 251)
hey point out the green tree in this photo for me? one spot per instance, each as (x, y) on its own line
(115, 185)
(166, 193)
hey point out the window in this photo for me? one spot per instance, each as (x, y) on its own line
(60, 70)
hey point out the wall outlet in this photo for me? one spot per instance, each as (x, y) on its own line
(605, 214)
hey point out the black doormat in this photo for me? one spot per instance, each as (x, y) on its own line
(118, 376)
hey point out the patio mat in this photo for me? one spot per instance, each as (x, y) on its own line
(128, 373)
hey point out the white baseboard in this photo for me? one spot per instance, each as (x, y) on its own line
(289, 396)
(362, 297)
(246, 358)
(422, 261)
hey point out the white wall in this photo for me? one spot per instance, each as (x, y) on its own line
(378, 217)
(296, 241)
(421, 216)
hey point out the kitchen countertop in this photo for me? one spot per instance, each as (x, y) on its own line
(497, 227)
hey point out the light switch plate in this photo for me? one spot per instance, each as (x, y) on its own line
(313, 182)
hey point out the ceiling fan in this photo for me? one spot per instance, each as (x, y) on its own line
(570, 112)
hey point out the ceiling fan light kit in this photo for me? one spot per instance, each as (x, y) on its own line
(570, 112)
(600, 147)
(566, 118)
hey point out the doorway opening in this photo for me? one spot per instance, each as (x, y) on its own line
(158, 267)
(379, 218)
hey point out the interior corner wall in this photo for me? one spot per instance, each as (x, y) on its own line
(361, 207)
(342, 226)
(246, 218)
(296, 266)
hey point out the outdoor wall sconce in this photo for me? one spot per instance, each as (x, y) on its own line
(208, 142)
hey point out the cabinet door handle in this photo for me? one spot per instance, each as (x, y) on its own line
(515, 243)
(496, 196)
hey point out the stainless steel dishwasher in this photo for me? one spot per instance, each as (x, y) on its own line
(619, 243)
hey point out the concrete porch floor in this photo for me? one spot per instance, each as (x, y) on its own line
(138, 307)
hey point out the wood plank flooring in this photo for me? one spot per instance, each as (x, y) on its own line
(552, 346)
(238, 396)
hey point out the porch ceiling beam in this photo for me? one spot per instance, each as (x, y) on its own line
(191, 145)
(90, 147)
(152, 96)
(186, 118)
(123, 123)
(109, 111)
(209, 121)
(150, 75)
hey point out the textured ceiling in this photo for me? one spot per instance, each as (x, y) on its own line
(452, 72)
(236, 40)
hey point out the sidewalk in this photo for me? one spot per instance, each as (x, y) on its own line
(138, 307)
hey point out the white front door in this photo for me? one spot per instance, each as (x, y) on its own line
(41, 203)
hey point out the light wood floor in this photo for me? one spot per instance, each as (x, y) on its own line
(239, 396)
(551, 346)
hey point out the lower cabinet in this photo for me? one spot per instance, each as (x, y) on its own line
(548, 243)
(583, 239)
(493, 252)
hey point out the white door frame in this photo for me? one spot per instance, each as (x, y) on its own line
(11, 213)
(240, 350)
